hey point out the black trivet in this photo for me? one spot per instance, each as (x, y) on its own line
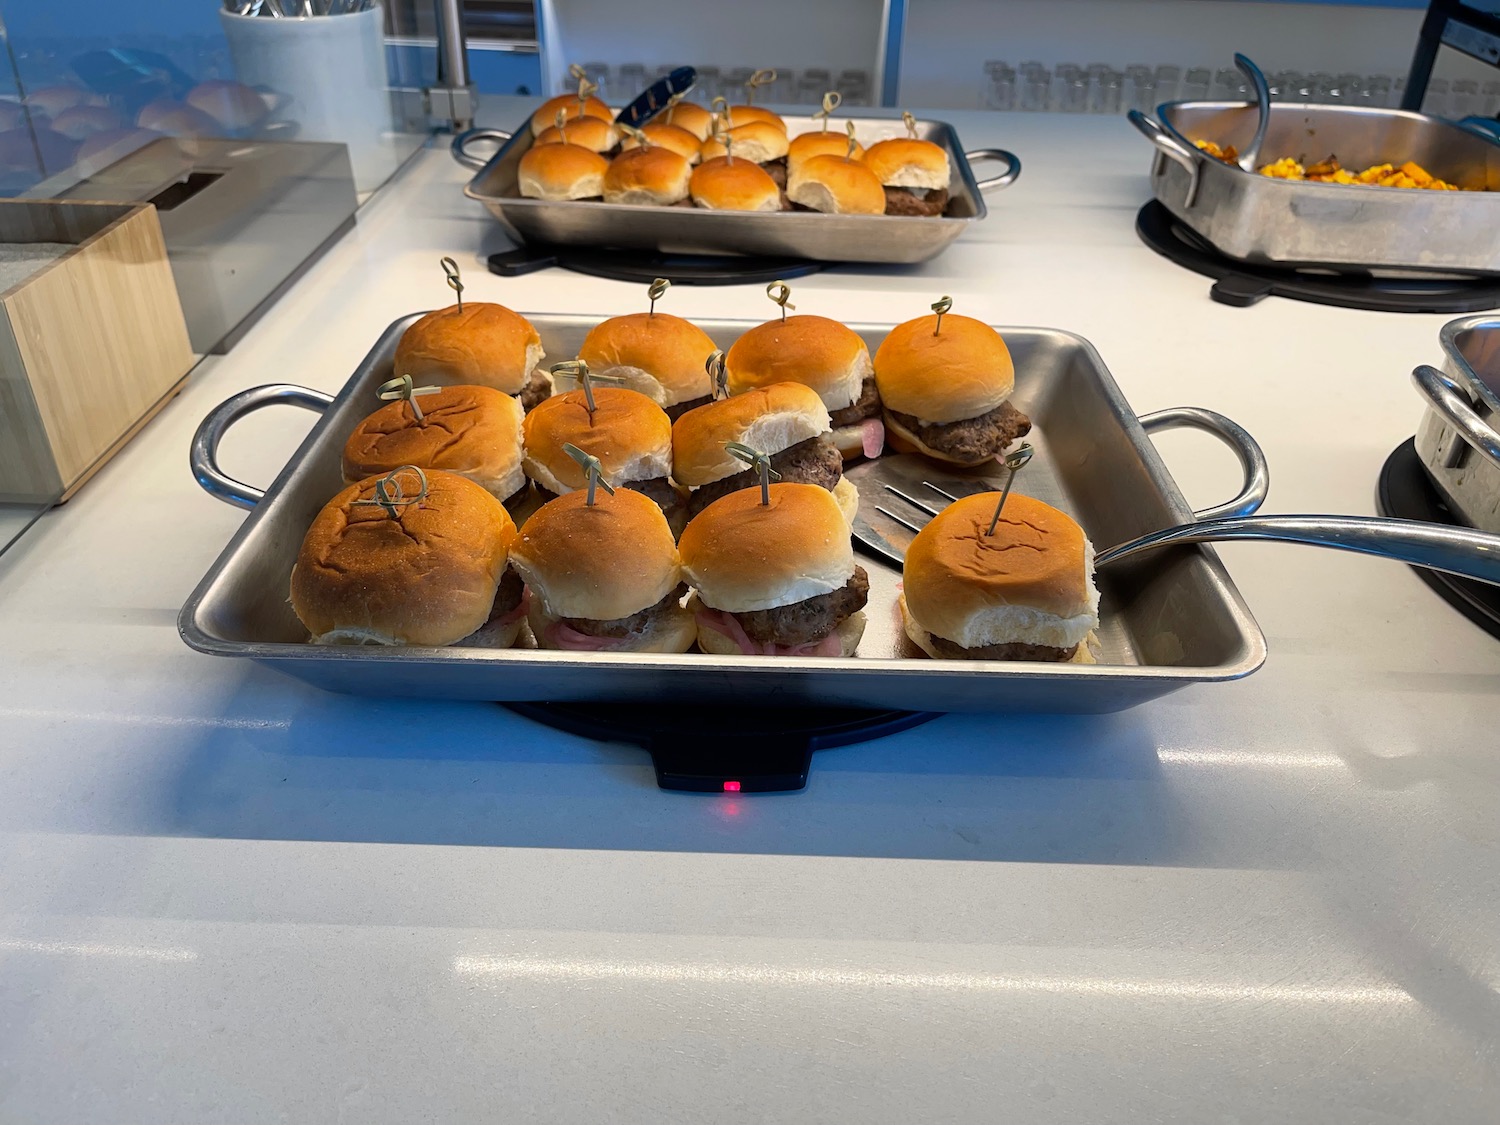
(647, 265)
(1242, 284)
(1406, 492)
(724, 749)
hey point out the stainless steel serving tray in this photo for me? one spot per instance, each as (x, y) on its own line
(682, 230)
(1169, 620)
(1253, 218)
(1459, 438)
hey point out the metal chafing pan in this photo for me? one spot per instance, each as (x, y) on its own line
(683, 230)
(1254, 218)
(1172, 620)
(1459, 438)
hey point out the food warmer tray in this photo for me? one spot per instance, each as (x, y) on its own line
(1168, 620)
(1254, 218)
(690, 230)
(1458, 440)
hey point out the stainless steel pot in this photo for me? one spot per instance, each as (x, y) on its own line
(1459, 438)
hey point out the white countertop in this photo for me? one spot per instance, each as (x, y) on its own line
(226, 897)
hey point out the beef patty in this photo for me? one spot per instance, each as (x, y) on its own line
(867, 405)
(803, 622)
(970, 440)
(944, 647)
(517, 498)
(814, 461)
(508, 596)
(537, 388)
(900, 201)
(625, 626)
(776, 169)
(677, 411)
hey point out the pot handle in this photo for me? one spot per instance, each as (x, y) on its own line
(461, 143)
(1446, 396)
(1231, 433)
(204, 453)
(1170, 147)
(1011, 161)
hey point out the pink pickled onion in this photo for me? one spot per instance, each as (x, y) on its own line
(872, 434)
(725, 624)
(561, 635)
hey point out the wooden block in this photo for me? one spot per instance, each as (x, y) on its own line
(90, 345)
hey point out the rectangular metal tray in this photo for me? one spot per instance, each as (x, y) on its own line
(680, 230)
(1254, 218)
(1171, 619)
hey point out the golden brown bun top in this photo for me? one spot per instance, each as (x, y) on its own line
(603, 562)
(756, 141)
(770, 419)
(592, 133)
(426, 576)
(836, 186)
(557, 167)
(659, 171)
(830, 143)
(904, 162)
(822, 353)
(668, 348)
(963, 371)
(694, 118)
(628, 432)
(743, 555)
(1036, 558)
(745, 114)
(176, 119)
(740, 185)
(462, 429)
(483, 343)
(547, 115)
(672, 137)
(231, 104)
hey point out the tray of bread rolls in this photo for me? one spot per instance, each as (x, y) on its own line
(792, 512)
(745, 181)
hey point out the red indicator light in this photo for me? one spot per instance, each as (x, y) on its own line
(731, 787)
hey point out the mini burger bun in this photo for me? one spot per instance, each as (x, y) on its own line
(742, 555)
(671, 137)
(957, 585)
(483, 344)
(353, 582)
(472, 431)
(922, 638)
(561, 171)
(602, 562)
(547, 115)
(647, 176)
(592, 133)
(754, 114)
(694, 118)
(943, 375)
(821, 353)
(660, 355)
(903, 162)
(828, 143)
(756, 142)
(771, 418)
(739, 185)
(630, 434)
(836, 186)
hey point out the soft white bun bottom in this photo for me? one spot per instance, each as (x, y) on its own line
(489, 635)
(811, 193)
(640, 197)
(671, 632)
(1084, 655)
(585, 187)
(775, 430)
(645, 466)
(534, 356)
(637, 379)
(850, 441)
(919, 176)
(849, 632)
(847, 497)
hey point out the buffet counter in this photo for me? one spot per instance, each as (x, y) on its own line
(228, 896)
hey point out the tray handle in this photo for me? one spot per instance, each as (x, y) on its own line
(1231, 433)
(1173, 149)
(204, 454)
(460, 146)
(1011, 161)
(1446, 396)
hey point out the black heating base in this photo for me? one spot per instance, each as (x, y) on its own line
(646, 265)
(1405, 492)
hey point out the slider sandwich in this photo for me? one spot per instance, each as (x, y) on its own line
(824, 143)
(573, 106)
(945, 382)
(1019, 587)
(477, 343)
(561, 171)
(685, 115)
(671, 137)
(913, 173)
(824, 355)
(729, 183)
(593, 133)
(756, 142)
(786, 421)
(410, 558)
(774, 573)
(629, 434)
(660, 355)
(648, 174)
(603, 575)
(474, 432)
(836, 185)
